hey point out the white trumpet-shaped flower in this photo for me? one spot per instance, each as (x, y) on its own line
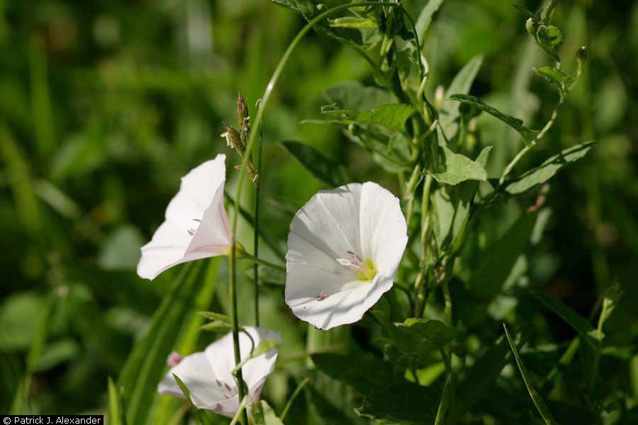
(208, 374)
(344, 248)
(196, 224)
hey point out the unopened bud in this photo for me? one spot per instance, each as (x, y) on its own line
(581, 58)
(472, 126)
(530, 26)
(439, 94)
(173, 359)
(581, 54)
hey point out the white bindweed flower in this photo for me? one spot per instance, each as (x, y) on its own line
(208, 374)
(196, 224)
(344, 248)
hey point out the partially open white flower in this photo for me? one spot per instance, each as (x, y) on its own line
(196, 224)
(208, 374)
(344, 248)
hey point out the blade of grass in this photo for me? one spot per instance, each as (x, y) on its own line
(538, 401)
(21, 399)
(445, 401)
(144, 368)
(116, 408)
(188, 342)
(573, 319)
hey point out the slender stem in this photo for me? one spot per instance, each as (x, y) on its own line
(292, 398)
(242, 172)
(256, 260)
(241, 412)
(533, 143)
(425, 215)
(512, 164)
(256, 233)
(232, 288)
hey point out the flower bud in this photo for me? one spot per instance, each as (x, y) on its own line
(581, 54)
(530, 26)
(581, 58)
(439, 96)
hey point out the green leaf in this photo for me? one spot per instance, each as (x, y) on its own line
(20, 314)
(386, 395)
(214, 316)
(217, 326)
(116, 406)
(527, 134)
(458, 168)
(547, 169)
(461, 84)
(556, 77)
(542, 408)
(498, 260)
(389, 148)
(446, 397)
(324, 169)
(425, 17)
(415, 339)
(144, 368)
(356, 96)
(573, 319)
(264, 415)
(554, 35)
(452, 214)
(182, 386)
(392, 116)
(352, 22)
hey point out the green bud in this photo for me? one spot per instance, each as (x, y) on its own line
(581, 58)
(530, 26)
(581, 54)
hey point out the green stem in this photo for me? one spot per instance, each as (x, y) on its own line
(533, 142)
(256, 234)
(292, 398)
(256, 260)
(242, 172)
(232, 288)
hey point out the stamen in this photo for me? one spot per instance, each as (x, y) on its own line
(321, 296)
(366, 269)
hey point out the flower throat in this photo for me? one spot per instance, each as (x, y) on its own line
(366, 269)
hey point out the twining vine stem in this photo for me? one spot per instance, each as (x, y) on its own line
(242, 172)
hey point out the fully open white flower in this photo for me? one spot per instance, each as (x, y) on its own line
(208, 374)
(196, 224)
(344, 248)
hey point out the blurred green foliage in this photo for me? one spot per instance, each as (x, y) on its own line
(104, 105)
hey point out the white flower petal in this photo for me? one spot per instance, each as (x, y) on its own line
(196, 224)
(208, 375)
(330, 222)
(195, 372)
(383, 228)
(334, 239)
